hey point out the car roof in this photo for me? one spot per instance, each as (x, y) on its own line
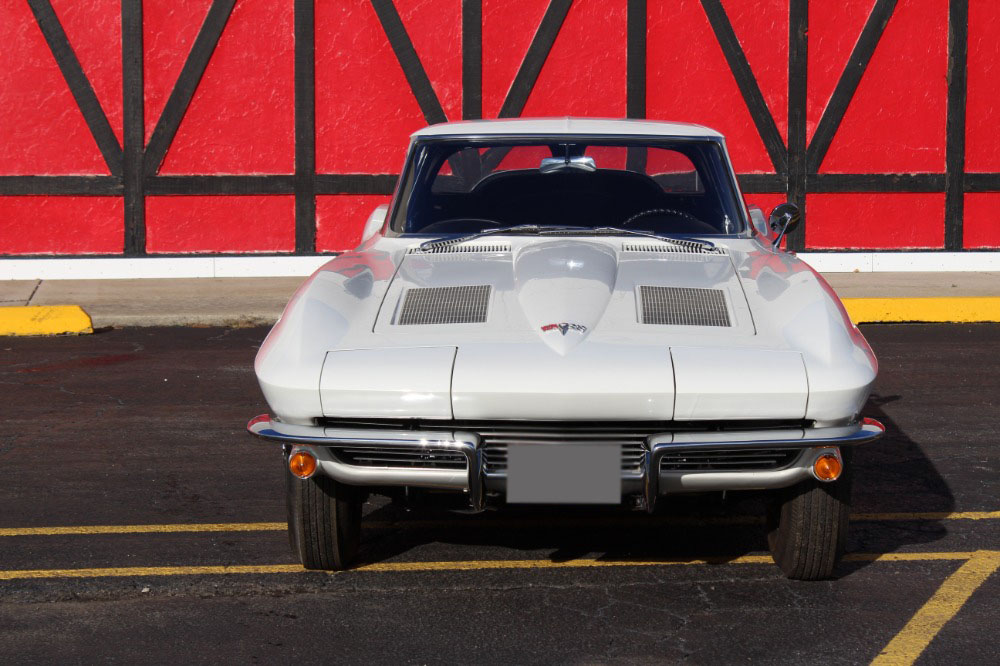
(566, 126)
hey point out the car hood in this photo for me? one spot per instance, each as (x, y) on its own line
(570, 327)
(563, 293)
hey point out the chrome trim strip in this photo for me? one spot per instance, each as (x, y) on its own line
(318, 439)
(658, 483)
(797, 438)
(691, 482)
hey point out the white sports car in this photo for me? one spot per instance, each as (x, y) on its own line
(571, 311)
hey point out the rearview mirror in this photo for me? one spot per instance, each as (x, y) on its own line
(375, 222)
(783, 219)
(580, 162)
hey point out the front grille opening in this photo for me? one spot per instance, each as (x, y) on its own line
(398, 458)
(728, 460)
(497, 435)
(495, 456)
(683, 306)
(444, 305)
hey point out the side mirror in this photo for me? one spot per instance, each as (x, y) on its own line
(784, 218)
(375, 222)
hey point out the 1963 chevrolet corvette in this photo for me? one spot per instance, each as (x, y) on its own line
(568, 311)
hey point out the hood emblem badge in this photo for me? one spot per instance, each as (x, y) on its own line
(564, 328)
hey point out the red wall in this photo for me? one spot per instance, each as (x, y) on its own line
(241, 119)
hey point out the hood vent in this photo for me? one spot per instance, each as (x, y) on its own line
(683, 306)
(444, 305)
(492, 248)
(687, 248)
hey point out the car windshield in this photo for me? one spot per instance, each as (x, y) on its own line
(666, 187)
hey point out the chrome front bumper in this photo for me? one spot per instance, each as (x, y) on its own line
(323, 442)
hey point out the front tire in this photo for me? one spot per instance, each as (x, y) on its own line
(807, 527)
(324, 521)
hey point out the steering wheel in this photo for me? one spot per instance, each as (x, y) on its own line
(664, 211)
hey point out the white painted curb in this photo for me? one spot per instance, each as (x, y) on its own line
(234, 267)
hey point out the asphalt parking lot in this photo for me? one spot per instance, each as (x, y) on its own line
(139, 522)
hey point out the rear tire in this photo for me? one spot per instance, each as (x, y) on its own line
(807, 527)
(324, 521)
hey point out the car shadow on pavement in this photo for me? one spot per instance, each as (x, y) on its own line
(892, 476)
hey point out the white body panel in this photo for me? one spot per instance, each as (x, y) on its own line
(715, 383)
(633, 382)
(567, 126)
(397, 383)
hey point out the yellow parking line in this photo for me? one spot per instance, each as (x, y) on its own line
(928, 515)
(459, 522)
(474, 565)
(381, 567)
(142, 529)
(918, 633)
(958, 309)
(459, 565)
(150, 571)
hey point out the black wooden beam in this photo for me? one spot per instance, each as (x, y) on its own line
(876, 182)
(798, 70)
(749, 89)
(982, 182)
(134, 129)
(750, 183)
(958, 49)
(635, 74)
(850, 78)
(78, 84)
(187, 83)
(96, 186)
(759, 183)
(203, 185)
(534, 58)
(305, 126)
(472, 59)
(356, 183)
(413, 69)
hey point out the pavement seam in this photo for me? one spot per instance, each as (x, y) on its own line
(34, 291)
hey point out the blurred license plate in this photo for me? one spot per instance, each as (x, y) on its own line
(564, 474)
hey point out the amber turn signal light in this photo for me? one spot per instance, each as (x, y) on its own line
(302, 464)
(827, 467)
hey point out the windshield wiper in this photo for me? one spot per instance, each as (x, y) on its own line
(615, 231)
(566, 229)
(516, 229)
